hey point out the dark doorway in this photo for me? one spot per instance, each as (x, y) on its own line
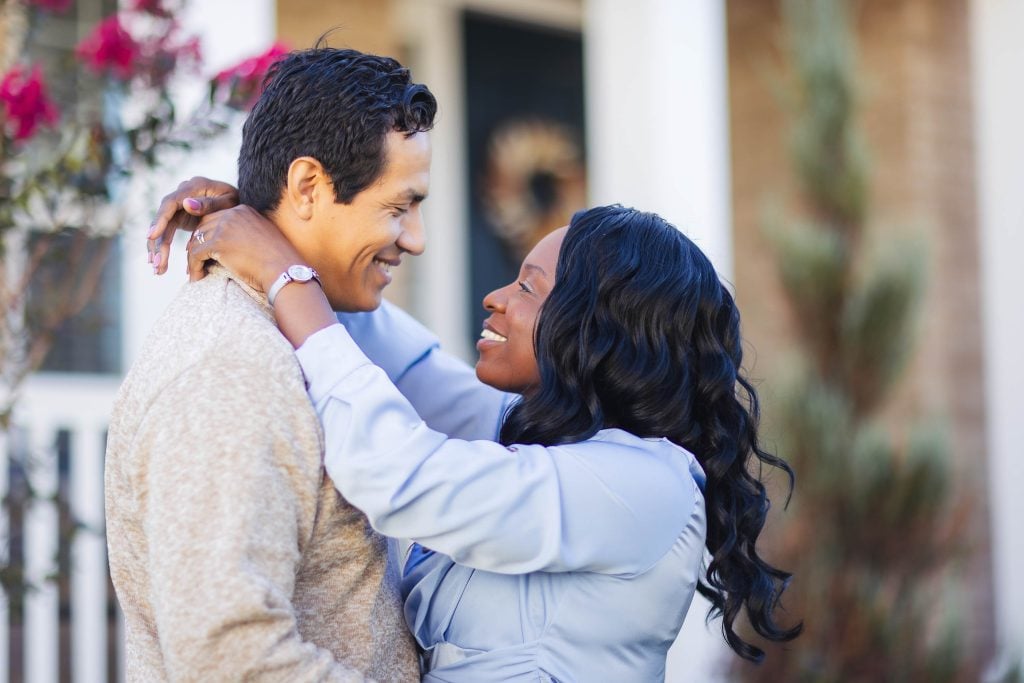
(524, 113)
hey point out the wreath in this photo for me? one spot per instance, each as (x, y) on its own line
(534, 181)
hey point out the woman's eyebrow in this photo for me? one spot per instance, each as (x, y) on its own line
(532, 266)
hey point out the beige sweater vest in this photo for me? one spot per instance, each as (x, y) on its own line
(233, 556)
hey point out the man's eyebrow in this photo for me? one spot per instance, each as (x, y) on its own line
(410, 196)
(532, 266)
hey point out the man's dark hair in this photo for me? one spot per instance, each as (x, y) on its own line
(336, 106)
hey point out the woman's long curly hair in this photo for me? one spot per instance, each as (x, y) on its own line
(638, 333)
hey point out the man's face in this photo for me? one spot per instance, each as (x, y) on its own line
(353, 246)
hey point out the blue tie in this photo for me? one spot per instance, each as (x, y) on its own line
(417, 554)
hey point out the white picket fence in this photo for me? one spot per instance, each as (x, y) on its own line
(80, 406)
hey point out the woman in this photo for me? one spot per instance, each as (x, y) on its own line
(571, 549)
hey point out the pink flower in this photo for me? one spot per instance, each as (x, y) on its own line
(153, 58)
(241, 85)
(109, 48)
(56, 6)
(167, 54)
(24, 102)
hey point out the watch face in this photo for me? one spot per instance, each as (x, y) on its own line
(300, 273)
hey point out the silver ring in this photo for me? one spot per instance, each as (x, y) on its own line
(199, 237)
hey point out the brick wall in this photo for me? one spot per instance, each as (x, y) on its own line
(366, 25)
(917, 118)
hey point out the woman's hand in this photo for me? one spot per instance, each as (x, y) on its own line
(182, 210)
(243, 241)
(254, 250)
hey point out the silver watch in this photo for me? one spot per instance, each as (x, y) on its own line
(296, 273)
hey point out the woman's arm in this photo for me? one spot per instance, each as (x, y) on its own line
(256, 252)
(599, 506)
(443, 389)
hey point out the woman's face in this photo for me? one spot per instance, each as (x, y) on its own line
(507, 358)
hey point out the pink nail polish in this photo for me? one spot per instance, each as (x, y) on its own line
(192, 204)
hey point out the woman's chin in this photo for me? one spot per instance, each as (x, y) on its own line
(481, 371)
(485, 373)
(493, 374)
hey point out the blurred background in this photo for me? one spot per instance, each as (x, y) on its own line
(854, 169)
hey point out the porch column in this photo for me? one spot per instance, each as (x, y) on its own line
(657, 139)
(996, 26)
(657, 114)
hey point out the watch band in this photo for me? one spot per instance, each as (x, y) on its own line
(296, 273)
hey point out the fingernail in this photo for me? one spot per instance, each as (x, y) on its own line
(192, 204)
(152, 229)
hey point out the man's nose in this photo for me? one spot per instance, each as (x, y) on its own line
(413, 238)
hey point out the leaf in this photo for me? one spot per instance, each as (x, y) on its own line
(929, 473)
(877, 323)
(813, 262)
(814, 432)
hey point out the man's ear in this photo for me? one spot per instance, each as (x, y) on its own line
(306, 178)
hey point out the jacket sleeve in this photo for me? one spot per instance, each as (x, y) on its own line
(229, 508)
(442, 389)
(589, 507)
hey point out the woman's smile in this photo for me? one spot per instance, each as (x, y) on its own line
(490, 337)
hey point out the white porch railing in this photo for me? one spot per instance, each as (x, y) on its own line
(52, 405)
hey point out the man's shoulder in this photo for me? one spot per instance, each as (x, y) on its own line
(215, 318)
(214, 339)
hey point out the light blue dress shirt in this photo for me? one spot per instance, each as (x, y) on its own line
(566, 563)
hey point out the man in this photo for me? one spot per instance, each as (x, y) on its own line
(232, 553)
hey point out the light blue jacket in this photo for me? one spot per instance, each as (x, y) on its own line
(565, 563)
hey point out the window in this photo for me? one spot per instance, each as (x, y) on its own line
(80, 276)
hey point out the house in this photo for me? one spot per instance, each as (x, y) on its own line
(665, 105)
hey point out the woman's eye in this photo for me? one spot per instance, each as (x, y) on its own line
(523, 287)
